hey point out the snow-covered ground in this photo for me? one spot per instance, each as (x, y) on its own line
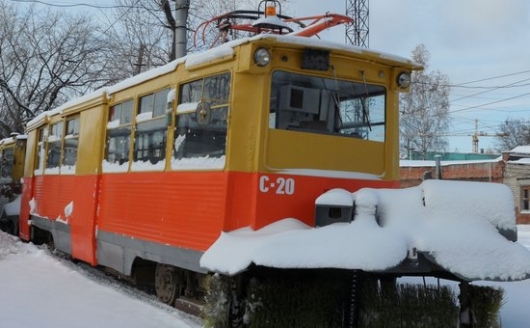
(514, 313)
(38, 290)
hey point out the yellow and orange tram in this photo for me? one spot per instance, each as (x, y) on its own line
(12, 156)
(154, 169)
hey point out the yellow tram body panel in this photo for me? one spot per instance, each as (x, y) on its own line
(12, 155)
(175, 156)
(280, 149)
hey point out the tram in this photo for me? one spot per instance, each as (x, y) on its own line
(12, 156)
(144, 176)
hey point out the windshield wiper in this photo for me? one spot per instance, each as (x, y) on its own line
(366, 113)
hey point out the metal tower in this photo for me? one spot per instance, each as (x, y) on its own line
(357, 33)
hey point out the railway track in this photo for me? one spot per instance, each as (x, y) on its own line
(184, 306)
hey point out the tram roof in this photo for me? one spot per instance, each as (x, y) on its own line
(377, 56)
(12, 139)
(226, 50)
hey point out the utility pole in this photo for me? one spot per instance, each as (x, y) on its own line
(475, 138)
(181, 17)
(357, 33)
(139, 63)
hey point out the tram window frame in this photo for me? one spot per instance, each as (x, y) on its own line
(204, 139)
(71, 142)
(150, 132)
(525, 199)
(7, 163)
(119, 130)
(40, 151)
(325, 105)
(54, 146)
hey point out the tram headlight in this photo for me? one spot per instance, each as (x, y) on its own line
(262, 57)
(403, 80)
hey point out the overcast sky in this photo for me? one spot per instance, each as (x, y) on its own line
(469, 40)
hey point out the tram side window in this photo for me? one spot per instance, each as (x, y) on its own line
(55, 138)
(151, 128)
(7, 159)
(119, 133)
(71, 142)
(202, 118)
(42, 134)
(328, 106)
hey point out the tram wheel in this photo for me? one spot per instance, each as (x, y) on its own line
(167, 283)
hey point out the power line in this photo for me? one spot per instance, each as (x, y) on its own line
(492, 78)
(507, 86)
(519, 108)
(490, 89)
(462, 130)
(490, 103)
(122, 15)
(71, 5)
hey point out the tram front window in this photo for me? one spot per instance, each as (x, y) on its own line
(328, 106)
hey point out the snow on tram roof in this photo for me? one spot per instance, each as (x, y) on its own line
(223, 51)
(331, 45)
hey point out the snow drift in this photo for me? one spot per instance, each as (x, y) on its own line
(467, 228)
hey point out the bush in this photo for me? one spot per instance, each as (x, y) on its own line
(217, 302)
(486, 303)
(297, 299)
(407, 306)
(321, 298)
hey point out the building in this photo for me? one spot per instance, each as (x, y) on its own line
(412, 173)
(512, 169)
(517, 177)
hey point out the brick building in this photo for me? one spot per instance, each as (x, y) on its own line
(512, 169)
(517, 177)
(412, 173)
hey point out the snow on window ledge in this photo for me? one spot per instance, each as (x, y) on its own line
(113, 124)
(198, 163)
(144, 116)
(148, 166)
(108, 167)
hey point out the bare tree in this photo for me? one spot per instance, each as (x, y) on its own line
(45, 59)
(425, 110)
(139, 37)
(512, 133)
(142, 32)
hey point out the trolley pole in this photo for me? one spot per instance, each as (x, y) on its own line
(181, 17)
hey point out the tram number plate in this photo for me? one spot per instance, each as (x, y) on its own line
(280, 186)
